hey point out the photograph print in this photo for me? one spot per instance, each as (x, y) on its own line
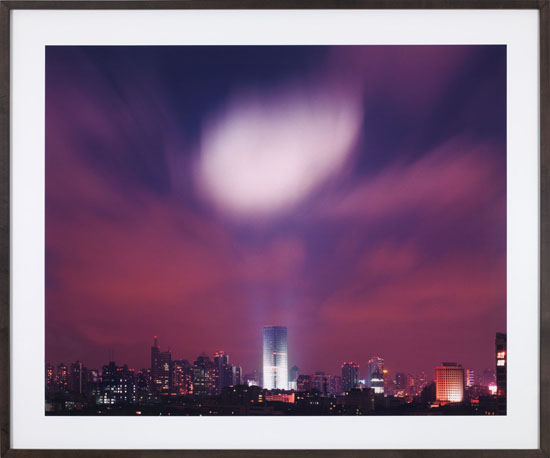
(275, 230)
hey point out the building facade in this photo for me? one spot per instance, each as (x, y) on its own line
(375, 374)
(275, 358)
(350, 376)
(161, 362)
(501, 359)
(449, 383)
(204, 376)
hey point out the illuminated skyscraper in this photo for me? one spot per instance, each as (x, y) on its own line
(449, 383)
(204, 376)
(223, 371)
(63, 378)
(161, 362)
(500, 348)
(350, 376)
(275, 361)
(375, 377)
(182, 377)
(50, 377)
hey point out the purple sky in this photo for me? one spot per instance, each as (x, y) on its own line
(355, 194)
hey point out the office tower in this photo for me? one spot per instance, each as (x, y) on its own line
(501, 358)
(303, 383)
(161, 362)
(469, 378)
(142, 381)
(116, 386)
(375, 374)
(293, 377)
(449, 383)
(223, 371)
(350, 376)
(204, 377)
(237, 372)
(320, 382)
(93, 383)
(62, 381)
(335, 384)
(50, 377)
(182, 377)
(77, 378)
(275, 358)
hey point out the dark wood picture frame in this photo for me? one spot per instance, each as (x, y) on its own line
(543, 7)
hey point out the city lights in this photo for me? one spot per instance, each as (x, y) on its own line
(217, 386)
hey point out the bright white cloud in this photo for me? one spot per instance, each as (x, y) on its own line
(264, 154)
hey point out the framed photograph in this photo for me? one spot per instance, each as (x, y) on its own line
(259, 229)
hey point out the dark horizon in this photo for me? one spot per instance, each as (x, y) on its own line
(354, 194)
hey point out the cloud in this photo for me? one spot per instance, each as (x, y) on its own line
(263, 154)
(452, 179)
(449, 289)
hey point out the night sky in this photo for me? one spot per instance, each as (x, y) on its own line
(355, 194)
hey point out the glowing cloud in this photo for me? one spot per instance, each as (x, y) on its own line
(265, 154)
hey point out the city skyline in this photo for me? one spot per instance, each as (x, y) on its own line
(373, 371)
(333, 367)
(217, 387)
(355, 195)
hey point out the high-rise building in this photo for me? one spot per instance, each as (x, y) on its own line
(449, 383)
(50, 377)
(404, 384)
(237, 372)
(161, 362)
(116, 386)
(204, 376)
(93, 383)
(275, 358)
(143, 385)
(223, 371)
(182, 377)
(303, 383)
(78, 378)
(293, 377)
(350, 376)
(320, 382)
(469, 378)
(501, 358)
(62, 381)
(375, 374)
(335, 384)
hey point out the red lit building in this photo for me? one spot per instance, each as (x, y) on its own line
(449, 383)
